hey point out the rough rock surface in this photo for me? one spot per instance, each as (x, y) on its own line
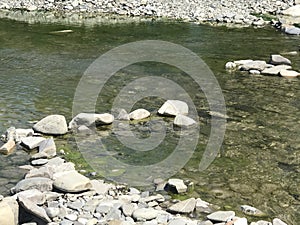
(52, 124)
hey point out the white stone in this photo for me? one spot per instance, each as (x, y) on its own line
(7, 214)
(241, 221)
(32, 142)
(275, 70)
(279, 60)
(183, 121)
(48, 146)
(242, 62)
(176, 184)
(33, 195)
(139, 114)
(277, 221)
(230, 65)
(221, 216)
(289, 73)
(53, 125)
(145, 214)
(91, 119)
(40, 183)
(174, 108)
(32, 8)
(254, 72)
(292, 11)
(186, 206)
(254, 65)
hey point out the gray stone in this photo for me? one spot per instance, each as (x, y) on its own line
(202, 206)
(252, 211)
(179, 221)
(279, 60)
(289, 73)
(207, 222)
(32, 208)
(254, 65)
(84, 130)
(261, 222)
(240, 221)
(44, 171)
(53, 125)
(221, 216)
(100, 187)
(52, 211)
(183, 121)
(139, 114)
(128, 209)
(76, 205)
(277, 221)
(33, 195)
(32, 142)
(145, 214)
(123, 115)
(173, 108)
(292, 30)
(10, 133)
(72, 181)
(21, 133)
(8, 147)
(48, 146)
(186, 206)
(40, 183)
(275, 70)
(39, 162)
(176, 186)
(91, 119)
(71, 217)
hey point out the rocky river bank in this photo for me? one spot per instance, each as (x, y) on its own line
(283, 14)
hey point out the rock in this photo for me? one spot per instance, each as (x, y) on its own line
(254, 65)
(10, 133)
(177, 222)
(71, 217)
(72, 181)
(8, 147)
(91, 119)
(261, 222)
(39, 162)
(207, 222)
(84, 130)
(186, 206)
(9, 212)
(289, 73)
(176, 186)
(48, 146)
(275, 70)
(100, 187)
(240, 221)
(221, 216)
(254, 72)
(183, 121)
(21, 133)
(242, 62)
(139, 114)
(123, 115)
(292, 30)
(292, 11)
(32, 8)
(279, 60)
(34, 195)
(252, 211)
(44, 171)
(52, 125)
(128, 209)
(32, 142)
(33, 209)
(202, 206)
(52, 212)
(230, 65)
(145, 214)
(39, 155)
(173, 108)
(40, 183)
(277, 221)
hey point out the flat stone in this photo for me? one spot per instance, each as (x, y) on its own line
(84, 130)
(254, 72)
(48, 146)
(91, 119)
(254, 65)
(289, 73)
(21, 133)
(176, 186)
(8, 147)
(275, 70)
(179, 221)
(40, 183)
(145, 214)
(53, 125)
(139, 114)
(279, 60)
(72, 181)
(173, 108)
(33, 195)
(33, 209)
(252, 211)
(71, 217)
(242, 62)
(44, 171)
(202, 206)
(186, 206)
(292, 11)
(32, 142)
(277, 221)
(39, 162)
(292, 30)
(261, 222)
(221, 216)
(9, 212)
(183, 121)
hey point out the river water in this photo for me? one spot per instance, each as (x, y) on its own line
(259, 162)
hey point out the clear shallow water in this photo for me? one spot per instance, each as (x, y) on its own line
(259, 162)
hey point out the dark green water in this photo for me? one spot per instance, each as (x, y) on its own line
(259, 163)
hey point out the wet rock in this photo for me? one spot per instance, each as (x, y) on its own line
(277, 221)
(176, 186)
(32, 142)
(183, 121)
(275, 70)
(173, 108)
(40, 183)
(279, 60)
(230, 65)
(145, 214)
(254, 65)
(221, 216)
(139, 114)
(48, 146)
(186, 206)
(91, 119)
(9, 212)
(52, 124)
(33, 209)
(39, 162)
(123, 115)
(8, 147)
(289, 73)
(292, 11)
(72, 181)
(252, 211)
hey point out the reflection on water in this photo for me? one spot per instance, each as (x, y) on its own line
(259, 162)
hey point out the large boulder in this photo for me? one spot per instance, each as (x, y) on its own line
(72, 182)
(53, 125)
(91, 119)
(173, 108)
(9, 212)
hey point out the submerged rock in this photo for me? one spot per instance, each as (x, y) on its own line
(52, 124)
(173, 108)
